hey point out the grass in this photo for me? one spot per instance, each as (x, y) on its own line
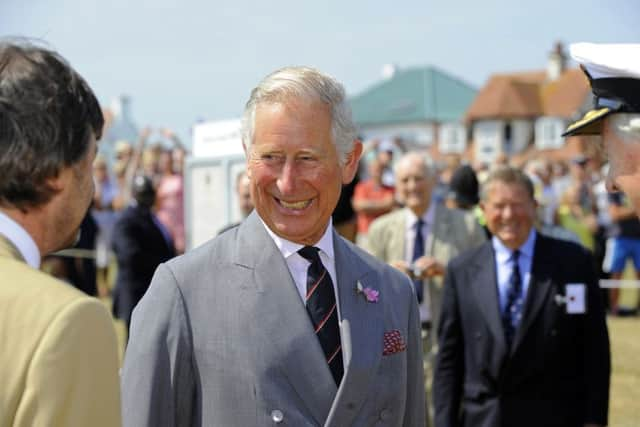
(625, 378)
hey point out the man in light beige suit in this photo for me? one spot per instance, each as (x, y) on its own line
(58, 357)
(444, 234)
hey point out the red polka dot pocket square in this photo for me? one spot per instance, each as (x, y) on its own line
(393, 343)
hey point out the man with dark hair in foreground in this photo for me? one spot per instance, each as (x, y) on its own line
(58, 357)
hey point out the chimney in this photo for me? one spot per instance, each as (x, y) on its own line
(557, 62)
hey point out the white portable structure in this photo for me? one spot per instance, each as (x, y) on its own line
(210, 174)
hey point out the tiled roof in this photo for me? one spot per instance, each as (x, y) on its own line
(413, 95)
(528, 95)
(565, 96)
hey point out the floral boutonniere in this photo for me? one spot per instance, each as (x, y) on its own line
(371, 295)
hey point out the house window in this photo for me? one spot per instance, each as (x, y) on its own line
(452, 138)
(508, 139)
(487, 135)
(549, 133)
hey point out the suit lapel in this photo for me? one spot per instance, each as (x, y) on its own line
(539, 286)
(283, 329)
(361, 330)
(397, 240)
(486, 292)
(440, 232)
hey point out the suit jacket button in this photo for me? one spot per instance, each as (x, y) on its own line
(351, 406)
(384, 415)
(554, 332)
(277, 416)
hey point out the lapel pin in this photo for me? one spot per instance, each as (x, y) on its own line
(371, 295)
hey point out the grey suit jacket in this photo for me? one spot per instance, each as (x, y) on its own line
(452, 232)
(222, 338)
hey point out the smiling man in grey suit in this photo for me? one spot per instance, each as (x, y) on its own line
(280, 320)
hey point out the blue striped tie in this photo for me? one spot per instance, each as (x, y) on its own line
(322, 309)
(418, 251)
(513, 308)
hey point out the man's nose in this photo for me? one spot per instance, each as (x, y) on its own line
(507, 211)
(286, 180)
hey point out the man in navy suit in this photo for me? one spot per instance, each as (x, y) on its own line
(522, 334)
(141, 244)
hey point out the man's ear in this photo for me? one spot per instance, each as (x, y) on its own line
(60, 181)
(351, 163)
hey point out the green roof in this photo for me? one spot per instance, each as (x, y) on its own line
(413, 95)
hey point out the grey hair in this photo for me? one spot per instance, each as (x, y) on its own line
(507, 175)
(423, 158)
(306, 84)
(626, 126)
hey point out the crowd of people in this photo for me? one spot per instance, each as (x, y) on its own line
(120, 231)
(572, 204)
(459, 296)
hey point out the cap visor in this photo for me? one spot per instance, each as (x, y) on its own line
(590, 124)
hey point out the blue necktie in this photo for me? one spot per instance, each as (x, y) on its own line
(513, 308)
(321, 306)
(418, 251)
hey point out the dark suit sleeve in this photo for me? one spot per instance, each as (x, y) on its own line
(597, 356)
(158, 379)
(139, 249)
(449, 369)
(415, 408)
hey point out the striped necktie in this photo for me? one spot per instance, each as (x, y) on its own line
(513, 308)
(418, 251)
(322, 309)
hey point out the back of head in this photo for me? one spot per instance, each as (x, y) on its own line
(48, 115)
(463, 187)
(143, 191)
(303, 84)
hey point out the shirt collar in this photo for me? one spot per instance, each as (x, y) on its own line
(426, 217)
(288, 248)
(20, 239)
(503, 253)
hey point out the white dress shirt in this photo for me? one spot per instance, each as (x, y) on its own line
(20, 239)
(409, 241)
(298, 265)
(504, 266)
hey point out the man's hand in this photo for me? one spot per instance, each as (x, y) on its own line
(426, 267)
(402, 266)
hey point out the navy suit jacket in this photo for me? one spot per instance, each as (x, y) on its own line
(140, 247)
(557, 371)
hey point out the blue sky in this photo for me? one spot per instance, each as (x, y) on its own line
(181, 60)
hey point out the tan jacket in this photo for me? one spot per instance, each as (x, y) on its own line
(58, 351)
(453, 231)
